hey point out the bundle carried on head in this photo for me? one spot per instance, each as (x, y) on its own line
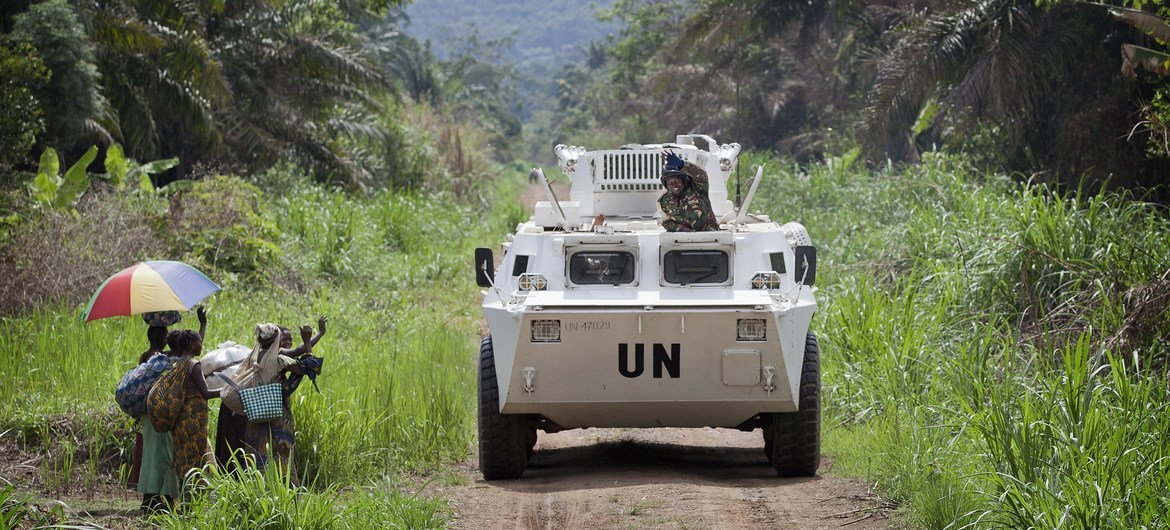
(261, 367)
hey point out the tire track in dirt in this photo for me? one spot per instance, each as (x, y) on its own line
(659, 478)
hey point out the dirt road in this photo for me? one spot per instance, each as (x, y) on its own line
(661, 478)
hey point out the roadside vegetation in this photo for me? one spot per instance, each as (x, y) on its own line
(995, 352)
(390, 270)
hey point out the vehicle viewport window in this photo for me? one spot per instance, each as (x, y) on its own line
(685, 267)
(777, 262)
(600, 268)
(520, 266)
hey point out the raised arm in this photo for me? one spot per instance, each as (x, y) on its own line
(308, 339)
(698, 177)
(201, 312)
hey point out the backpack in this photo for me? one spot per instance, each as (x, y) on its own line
(164, 402)
(131, 391)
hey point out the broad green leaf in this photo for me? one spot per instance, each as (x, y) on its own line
(50, 163)
(1150, 23)
(152, 168)
(44, 189)
(145, 186)
(158, 166)
(925, 117)
(1134, 56)
(45, 185)
(76, 180)
(117, 166)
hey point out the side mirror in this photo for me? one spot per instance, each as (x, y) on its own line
(806, 265)
(485, 267)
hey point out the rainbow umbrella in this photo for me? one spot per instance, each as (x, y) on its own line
(150, 286)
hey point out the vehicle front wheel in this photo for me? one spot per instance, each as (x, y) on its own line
(793, 440)
(503, 438)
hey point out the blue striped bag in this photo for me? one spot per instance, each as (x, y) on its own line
(130, 394)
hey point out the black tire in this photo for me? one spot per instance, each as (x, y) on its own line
(531, 442)
(503, 438)
(794, 438)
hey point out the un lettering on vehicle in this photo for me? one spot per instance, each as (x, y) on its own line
(665, 358)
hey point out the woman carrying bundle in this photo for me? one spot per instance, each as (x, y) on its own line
(269, 362)
(189, 435)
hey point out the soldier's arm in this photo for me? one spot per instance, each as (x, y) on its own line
(698, 177)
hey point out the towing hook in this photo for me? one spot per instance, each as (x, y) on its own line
(529, 374)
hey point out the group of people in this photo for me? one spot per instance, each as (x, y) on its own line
(164, 461)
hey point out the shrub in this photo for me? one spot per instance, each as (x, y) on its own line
(21, 117)
(59, 257)
(218, 223)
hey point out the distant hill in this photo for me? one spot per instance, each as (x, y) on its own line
(547, 34)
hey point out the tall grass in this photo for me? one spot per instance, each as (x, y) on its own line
(394, 274)
(270, 500)
(994, 352)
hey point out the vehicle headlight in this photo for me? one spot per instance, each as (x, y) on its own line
(546, 331)
(751, 329)
(766, 280)
(533, 282)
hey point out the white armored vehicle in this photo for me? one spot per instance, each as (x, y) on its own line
(619, 323)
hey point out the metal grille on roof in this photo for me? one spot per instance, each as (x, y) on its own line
(635, 171)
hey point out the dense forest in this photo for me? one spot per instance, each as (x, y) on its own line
(985, 180)
(1069, 92)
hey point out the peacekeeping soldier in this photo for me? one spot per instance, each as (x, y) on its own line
(685, 204)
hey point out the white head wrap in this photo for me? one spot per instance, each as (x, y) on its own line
(260, 367)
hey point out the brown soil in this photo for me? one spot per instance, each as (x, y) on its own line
(661, 478)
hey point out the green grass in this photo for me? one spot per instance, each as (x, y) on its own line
(394, 274)
(994, 353)
(269, 500)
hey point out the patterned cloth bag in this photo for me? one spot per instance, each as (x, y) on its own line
(164, 402)
(130, 394)
(262, 403)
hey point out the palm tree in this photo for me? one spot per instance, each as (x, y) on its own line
(295, 88)
(771, 74)
(242, 83)
(1006, 63)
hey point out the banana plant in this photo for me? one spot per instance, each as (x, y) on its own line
(121, 170)
(52, 190)
(1153, 61)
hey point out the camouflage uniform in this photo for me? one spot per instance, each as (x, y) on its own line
(690, 210)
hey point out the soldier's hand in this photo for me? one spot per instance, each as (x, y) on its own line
(673, 161)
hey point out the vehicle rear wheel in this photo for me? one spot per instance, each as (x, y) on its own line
(793, 441)
(531, 442)
(503, 438)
